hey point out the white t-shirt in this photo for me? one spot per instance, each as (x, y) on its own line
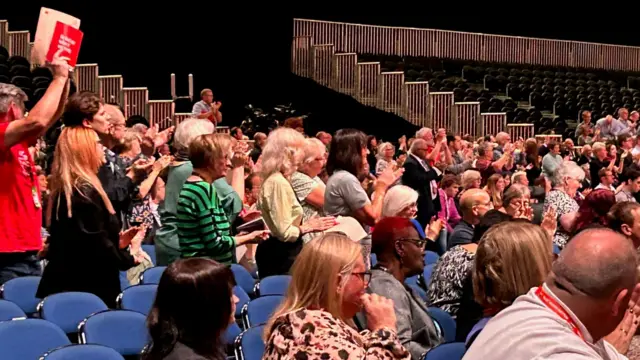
(529, 330)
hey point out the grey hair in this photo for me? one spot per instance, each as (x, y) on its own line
(515, 191)
(381, 149)
(484, 148)
(190, 129)
(420, 133)
(568, 169)
(11, 94)
(416, 143)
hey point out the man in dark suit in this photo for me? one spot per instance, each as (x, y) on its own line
(424, 179)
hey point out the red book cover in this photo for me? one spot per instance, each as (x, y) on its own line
(65, 42)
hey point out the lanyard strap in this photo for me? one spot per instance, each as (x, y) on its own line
(554, 306)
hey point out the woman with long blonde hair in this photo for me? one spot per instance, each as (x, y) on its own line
(86, 250)
(326, 291)
(281, 210)
(495, 188)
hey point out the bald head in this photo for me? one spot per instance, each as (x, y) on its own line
(116, 117)
(471, 198)
(598, 263)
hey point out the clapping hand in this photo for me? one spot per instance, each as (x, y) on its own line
(549, 221)
(434, 228)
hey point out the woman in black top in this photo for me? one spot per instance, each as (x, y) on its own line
(86, 250)
(193, 307)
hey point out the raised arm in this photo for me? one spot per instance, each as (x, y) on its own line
(46, 112)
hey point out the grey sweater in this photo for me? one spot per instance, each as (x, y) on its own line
(416, 330)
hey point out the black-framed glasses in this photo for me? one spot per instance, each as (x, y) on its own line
(417, 242)
(365, 276)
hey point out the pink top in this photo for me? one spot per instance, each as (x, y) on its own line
(448, 211)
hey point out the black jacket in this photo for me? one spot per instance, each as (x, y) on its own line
(84, 252)
(416, 177)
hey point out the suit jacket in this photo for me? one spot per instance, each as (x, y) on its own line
(419, 179)
(416, 330)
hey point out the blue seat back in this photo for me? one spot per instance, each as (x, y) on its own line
(258, 311)
(138, 298)
(152, 275)
(243, 299)
(249, 345)
(274, 285)
(29, 338)
(426, 274)
(124, 282)
(243, 278)
(431, 257)
(82, 352)
(122, 330)
(445, 322)
(231, 333)
(22, 292)
(10, 311)
(450, 351)
(67, 310)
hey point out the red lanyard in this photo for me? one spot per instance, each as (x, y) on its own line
(552, 304)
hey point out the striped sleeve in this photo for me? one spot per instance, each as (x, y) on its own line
(203, 227)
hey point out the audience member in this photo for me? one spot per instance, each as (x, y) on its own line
(199, 204)
(191, 325)
(495, 188)
(259, 140)
(281, 210)
(401, 201)
(167, 242)
(449, 187)
(606, 180)
(309, 189)
(344, 194)
(624, 218)
(20, 201)
(327, 289)
(86, 249)
(399, 246)
(207, 108)
(512, 257)
(590, 293)
(473, 205)
(565, 181)
(424, 179)
(593, 210)
(552, 160)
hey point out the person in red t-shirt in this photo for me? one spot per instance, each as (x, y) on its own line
(20, 202)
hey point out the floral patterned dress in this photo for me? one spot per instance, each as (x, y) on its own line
(315, 334)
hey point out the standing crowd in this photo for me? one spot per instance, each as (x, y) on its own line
(536, 239)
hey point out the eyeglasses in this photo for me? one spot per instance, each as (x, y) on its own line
(365, 276)
(417, 242)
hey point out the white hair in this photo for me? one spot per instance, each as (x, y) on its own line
(381, 148)
(397, 199)
(190, 129)
(422, 132)
(312, 149)
(283, 152)
(517, 175)
(568, 169)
